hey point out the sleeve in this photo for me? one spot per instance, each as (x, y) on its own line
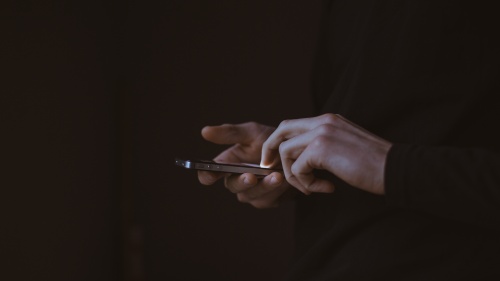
(461, 184)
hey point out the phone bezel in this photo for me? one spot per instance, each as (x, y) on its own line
(234, 168)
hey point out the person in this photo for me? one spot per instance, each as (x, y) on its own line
(397, 176)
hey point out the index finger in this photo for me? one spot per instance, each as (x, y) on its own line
(209, 178)
(286, 130)
(230, 134)
(289, 129)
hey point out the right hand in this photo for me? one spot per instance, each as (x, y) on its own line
(246, 140)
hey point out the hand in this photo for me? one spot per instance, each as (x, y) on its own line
(327, 142)
(247, 140)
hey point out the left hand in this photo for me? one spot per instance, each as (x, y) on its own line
(327, 142)
(246, 140)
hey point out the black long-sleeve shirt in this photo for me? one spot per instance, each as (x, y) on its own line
(424, 75)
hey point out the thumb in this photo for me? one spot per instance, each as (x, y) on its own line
(230, 134)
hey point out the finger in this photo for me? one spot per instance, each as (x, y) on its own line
(209, 178)
(289, 129)
(287, 165)
(302, 169)
(266, 193)
(292, 148)
(268, 200)
(230, 156)
(274, 179)
(231, 134)
(240, 182)
(264, 186)
(227, 156)
(270, 153)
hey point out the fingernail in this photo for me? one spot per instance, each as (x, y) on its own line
(246, 181)
(274, 180)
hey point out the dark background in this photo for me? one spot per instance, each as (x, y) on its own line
(97, 98)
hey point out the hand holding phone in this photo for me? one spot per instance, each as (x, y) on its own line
(246, 141)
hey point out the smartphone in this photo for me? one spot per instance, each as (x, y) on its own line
(236, 168)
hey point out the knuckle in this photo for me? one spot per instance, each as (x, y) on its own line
(320, 141)
(282, 148)
(329, 118)
(295, 169)
(325, 129)
(252, 125)
(230, 128)
(231, 131)
(284, 123)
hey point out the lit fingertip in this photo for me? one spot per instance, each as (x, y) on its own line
(263, 165)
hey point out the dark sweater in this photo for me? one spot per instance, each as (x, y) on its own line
(425, 76)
